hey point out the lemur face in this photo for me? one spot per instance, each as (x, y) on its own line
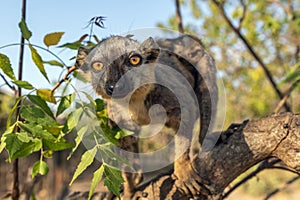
(112, 58)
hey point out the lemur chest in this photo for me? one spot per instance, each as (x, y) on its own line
(151, 108)
(138, 112)
(130, 115)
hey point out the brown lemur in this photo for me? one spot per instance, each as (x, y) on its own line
(174, 72)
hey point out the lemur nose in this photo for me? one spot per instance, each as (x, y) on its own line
(110, 88)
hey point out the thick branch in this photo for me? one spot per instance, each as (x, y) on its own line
(253, 53)
(252, 142)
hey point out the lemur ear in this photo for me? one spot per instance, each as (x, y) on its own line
(81, 57)
(150, 48)
(150, 44)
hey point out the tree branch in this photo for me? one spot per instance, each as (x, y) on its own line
(64, 78)
(263, 165)
(7, 83)
(252, 142)
(252, 52)
(244, 14)
(282, 187)
(178, 17)
(15, 187)
(286, 96)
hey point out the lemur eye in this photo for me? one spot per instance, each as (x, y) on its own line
(97, 65)
(135, 60)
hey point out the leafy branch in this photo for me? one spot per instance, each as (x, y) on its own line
(252, 52)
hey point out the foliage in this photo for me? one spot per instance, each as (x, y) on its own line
(33, 123)
(271, 28)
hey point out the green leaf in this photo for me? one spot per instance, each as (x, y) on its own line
(2, 143)
(38, 61)
(9, 118)
(26, 33)
(73, 46)
(40, 167)
(28, 148)
(292, 76)
(47, 95)
(23, 137)
(34, 114)
(54, 63)
(65, 103)
(54, 128)
(24, 84)
(86, 160)
(97, 176)
(37, 100)
(13, 144)
(8, 131)
(52, 38)
(113, 179)
(6, 66)
(72, 120)
(114, 174)
(100, 105)
(37, 131)
(106, 150)
(123, 133)
(57, 145)
(112, 187)
(78, 139)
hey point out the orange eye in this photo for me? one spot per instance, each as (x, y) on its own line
(97, 65)
(135, 60)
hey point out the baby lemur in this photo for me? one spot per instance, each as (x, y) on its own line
(177, 74)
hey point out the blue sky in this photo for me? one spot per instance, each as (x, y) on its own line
(71, 17)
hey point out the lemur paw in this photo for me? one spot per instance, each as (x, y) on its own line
(187, 179)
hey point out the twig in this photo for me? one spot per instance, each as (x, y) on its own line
(178, 17)
(263, 165)
(252, 52)
(15, 187)
(64, 78)
(37, 46)
(8, 84)
(98, 21)
(281, 187)
(244, 14)
(284, 168)
(286, 96)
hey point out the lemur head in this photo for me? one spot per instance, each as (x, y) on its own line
(107, 62)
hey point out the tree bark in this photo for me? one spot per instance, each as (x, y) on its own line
(242, 146)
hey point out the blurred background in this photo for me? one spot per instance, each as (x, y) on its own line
(256, 45)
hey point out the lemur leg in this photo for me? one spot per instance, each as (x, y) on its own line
(132, 179)
(186, 176)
